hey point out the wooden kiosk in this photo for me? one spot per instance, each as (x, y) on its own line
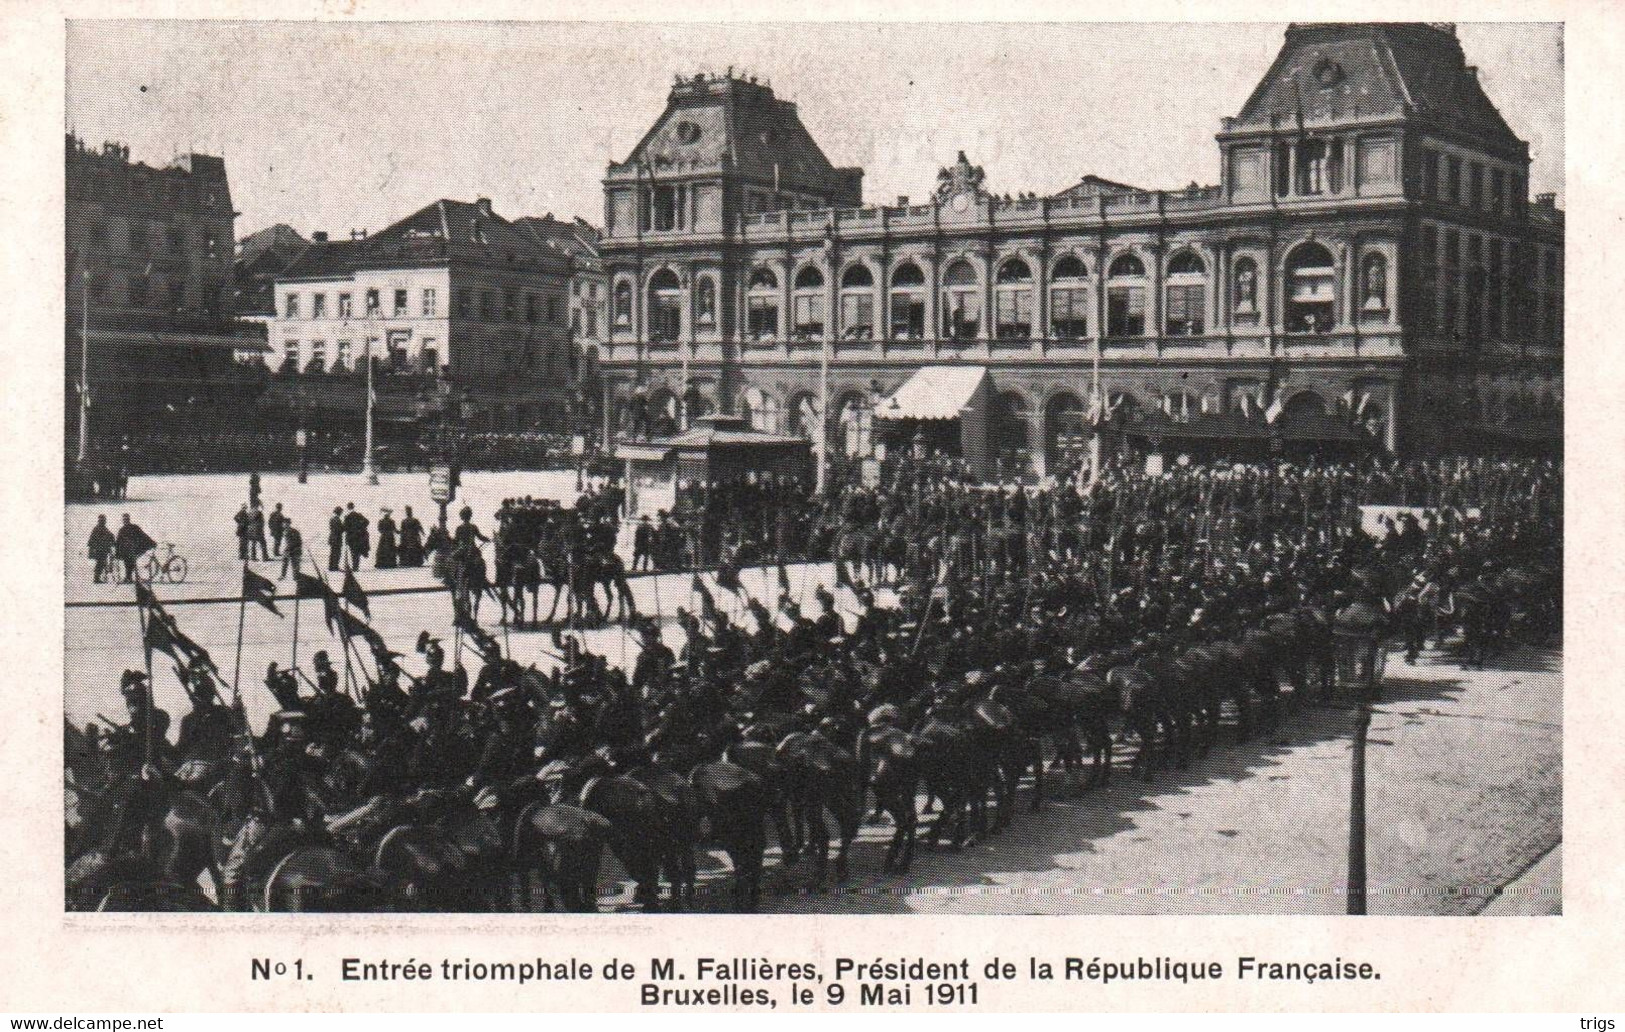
(715, 450)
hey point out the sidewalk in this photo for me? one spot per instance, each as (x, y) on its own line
(1537, 892)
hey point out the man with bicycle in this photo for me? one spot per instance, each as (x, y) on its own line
(131, 544)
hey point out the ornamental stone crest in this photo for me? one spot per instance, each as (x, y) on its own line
(960, 178)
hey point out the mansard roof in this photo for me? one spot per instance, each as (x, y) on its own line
(1330, 72)
(444, 231)
(734, 123)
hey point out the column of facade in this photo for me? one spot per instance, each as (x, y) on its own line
(985, 332)
(883, 261)
(787, 297)
(1040, 336)
(933, 299)
(1154, 320)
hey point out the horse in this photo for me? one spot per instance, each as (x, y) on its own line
(735, 803)
(948, 767)
(564, 844)
(822, 776)
(755, 752)
(1137, 701)
(891, 760)
(631, 810)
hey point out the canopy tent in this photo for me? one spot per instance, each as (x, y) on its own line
(937, 395)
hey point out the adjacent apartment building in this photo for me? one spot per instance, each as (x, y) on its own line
(149, 273)
(452, 298)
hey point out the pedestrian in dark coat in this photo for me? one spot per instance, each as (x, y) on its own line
(357, 536)
(100, 547)
(295, 550)
(256, 534)
(131, 544)
(242, 520)
(276, 523)
(335, 539)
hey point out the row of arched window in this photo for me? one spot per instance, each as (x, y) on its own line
(1309, 300)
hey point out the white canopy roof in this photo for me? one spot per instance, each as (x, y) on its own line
(934, 392)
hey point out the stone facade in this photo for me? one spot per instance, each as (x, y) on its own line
(149, 253)
(453, 294)
(1369, 256)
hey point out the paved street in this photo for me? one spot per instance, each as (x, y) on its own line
(1465, 794)
(1464, 766)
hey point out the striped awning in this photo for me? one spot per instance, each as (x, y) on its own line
(934, 392)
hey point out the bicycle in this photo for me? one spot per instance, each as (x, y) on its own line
(171, 568)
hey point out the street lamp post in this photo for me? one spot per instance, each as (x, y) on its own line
(1357, 632)
(84, 370)
(367, 469)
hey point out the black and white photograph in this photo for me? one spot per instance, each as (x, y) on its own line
(812, 469)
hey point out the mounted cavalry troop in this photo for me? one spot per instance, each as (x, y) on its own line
(1033, 635)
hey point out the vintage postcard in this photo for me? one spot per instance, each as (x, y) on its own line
(982, 502)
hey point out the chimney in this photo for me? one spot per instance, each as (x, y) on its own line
(320, 236)
(1546, 200)
(902, 200)
(358, 234)
(483, 206)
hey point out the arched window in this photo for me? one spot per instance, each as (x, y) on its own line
(907, 302)
(705, 302)
(1310, 290)
(1306, 403)
(762, 305)
(1125, 297)
(1069, 299)
(1121, 405)
(857, 303)
(1180, 406)
(803, 415)
(1013, 301)
(1186, 296)
(1244, 290)
(665, 307)
(1374, 284)
(623, 305)
(961, 303)
(1010, 432)
(808, 303)
(1066, 430)
(1246, 398)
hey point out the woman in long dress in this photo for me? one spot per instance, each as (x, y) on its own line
(386, 541)
(411, 546)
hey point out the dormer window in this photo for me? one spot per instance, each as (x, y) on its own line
(476, 232)
(688, 132)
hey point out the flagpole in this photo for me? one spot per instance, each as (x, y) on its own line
(293, 661)
(344, 635)
(146, 651)
(242, 615)
(344, 643)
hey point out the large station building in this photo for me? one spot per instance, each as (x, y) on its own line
(1369, 272)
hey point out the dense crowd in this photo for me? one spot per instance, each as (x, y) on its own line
(1032, 629)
